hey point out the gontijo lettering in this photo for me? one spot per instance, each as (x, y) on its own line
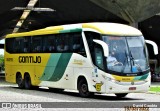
(29, 59)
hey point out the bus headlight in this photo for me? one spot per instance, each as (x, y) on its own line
(112, 80)
(109, 79)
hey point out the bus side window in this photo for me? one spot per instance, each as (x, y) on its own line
(26, 45)
(99, 59)
(62, 43)
(36, 44)
(9, 45)
(18, 45)
(78, 45)
(89, 37)
(51, 43)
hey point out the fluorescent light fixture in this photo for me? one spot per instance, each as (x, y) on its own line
(43, 9)
(35, 9)
(19, 23)
(32, 2)
(18, 8)
(25, 14)
(15, 30)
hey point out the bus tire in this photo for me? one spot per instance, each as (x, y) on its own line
(121, 95)
(20, 81)
(27, 81)
(83, 89)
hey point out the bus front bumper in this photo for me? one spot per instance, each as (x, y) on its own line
(127, 87)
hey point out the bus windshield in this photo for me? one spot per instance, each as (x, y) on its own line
(126, 54)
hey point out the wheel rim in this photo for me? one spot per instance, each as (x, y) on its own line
(27, 82)
(19, 80)
(84, 88)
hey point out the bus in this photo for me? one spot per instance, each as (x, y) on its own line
(104, 58)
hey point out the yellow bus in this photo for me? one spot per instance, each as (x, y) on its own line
(88, 57)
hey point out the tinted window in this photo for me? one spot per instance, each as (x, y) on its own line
(49, 43)
(36, 44)
(27, 44)
(57, 43)
(18, 45)
(9, 45)
(90, 36)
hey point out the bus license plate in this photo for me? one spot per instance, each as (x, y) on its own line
(132, 88)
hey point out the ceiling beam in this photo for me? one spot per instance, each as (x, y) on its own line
(25, 14)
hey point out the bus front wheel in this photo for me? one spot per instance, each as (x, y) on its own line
(27, 81)
(20, 81)
(83, 89)
(121, 95)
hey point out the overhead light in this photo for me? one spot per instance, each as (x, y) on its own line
(43, 9)
(25, 14)
(15, 29)
(32, 3)
(19, 23)
(34, 9)
(18, 8)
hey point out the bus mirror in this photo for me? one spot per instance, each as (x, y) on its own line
(155, 47)
(104, 45)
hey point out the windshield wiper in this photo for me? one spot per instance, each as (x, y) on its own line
(125, 62)
(132, 59)
(132, 63)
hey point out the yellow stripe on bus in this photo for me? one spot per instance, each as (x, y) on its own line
(123, 78)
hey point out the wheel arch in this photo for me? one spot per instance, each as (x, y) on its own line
(80, 77)
(26, 73)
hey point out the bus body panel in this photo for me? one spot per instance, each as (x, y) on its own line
(62, 69)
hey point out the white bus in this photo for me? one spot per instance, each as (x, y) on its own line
(92, 58)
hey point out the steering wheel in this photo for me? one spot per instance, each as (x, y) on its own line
(118, 64)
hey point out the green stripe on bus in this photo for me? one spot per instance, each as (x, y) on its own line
(50, 67)
(72, 30)
(55, 69)
(144, 77)
(61, 67)
(141, 77)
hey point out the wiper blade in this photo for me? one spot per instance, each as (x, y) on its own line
(131, 57)
(125, 63)
(131, 60)
(136, 65)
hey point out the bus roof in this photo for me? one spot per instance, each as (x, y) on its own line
(103, 28)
